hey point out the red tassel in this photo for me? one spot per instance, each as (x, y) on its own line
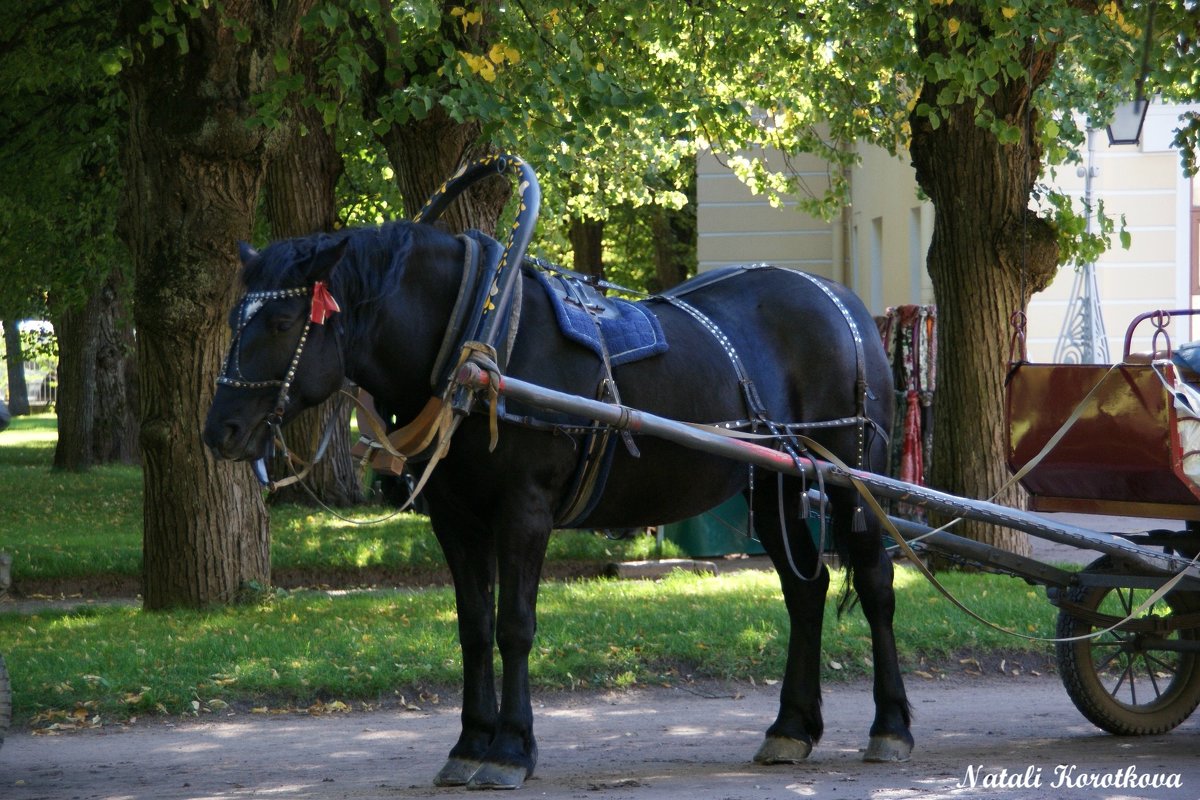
(323, 303)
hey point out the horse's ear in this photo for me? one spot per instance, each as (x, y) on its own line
(324, 262)
(246, 253)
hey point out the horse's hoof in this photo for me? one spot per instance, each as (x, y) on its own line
(457, 772)
(498, 776)
(782, 750)
(888, 748)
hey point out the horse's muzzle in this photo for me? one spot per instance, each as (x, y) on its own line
(236, 440)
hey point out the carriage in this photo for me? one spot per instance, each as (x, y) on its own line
(570, 410)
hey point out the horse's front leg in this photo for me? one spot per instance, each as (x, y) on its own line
(470, 554)
(522, 533)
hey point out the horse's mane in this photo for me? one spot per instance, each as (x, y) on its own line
(369, 270)
(368, 273)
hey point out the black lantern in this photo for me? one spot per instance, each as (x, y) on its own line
(1126, 124)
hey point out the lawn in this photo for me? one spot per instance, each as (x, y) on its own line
(311, 650)
(62, 524)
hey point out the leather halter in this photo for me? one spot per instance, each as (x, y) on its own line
(251, 304)
(323, 304)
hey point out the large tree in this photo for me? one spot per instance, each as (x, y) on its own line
(194, 170)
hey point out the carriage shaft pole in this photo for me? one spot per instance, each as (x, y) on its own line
(712, 441)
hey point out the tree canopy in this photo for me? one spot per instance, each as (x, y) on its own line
(610, 101)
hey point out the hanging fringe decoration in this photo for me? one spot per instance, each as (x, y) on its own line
(910, 337)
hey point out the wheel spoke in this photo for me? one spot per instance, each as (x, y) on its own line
(1172, 669)
(1126, 673)
(1126, 600)
(1153, 679)
(1102, 666)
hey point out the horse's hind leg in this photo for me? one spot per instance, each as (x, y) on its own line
(799, 725)
(891, 739)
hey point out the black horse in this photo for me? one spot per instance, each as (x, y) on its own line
(808, 352)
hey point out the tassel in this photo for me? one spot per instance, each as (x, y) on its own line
(859, 525)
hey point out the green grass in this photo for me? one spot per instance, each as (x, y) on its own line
(104, 664)
(306, 648)
(63, 525)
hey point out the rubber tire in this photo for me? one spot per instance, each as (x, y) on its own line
(5, 700)
(1079, 675)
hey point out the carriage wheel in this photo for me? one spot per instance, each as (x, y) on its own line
(1121, 682)
(5, 700)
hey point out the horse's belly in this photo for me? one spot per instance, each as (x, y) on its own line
(666, 483)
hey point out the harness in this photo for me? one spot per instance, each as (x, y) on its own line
(475, 341)
(323, 305)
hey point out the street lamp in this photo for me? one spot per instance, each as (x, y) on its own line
(1126, 124)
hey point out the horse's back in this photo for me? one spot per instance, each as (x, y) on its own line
(803, 340)
(744, 344)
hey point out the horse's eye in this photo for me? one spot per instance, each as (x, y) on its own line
(282, 323)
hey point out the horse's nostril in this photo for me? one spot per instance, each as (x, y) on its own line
(219, 437)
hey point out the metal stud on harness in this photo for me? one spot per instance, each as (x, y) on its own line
(782, 433)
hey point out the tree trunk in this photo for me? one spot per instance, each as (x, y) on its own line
(114, 425)
(300, 200)
(988, 254)
(674, 237)
(194, 169)
(424, 153)
(75, 405)
(587, 246)
(18, 390)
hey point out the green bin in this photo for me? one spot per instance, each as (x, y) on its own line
(718, 532)
(722, 531)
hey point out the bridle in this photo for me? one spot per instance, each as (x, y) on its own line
(251, 303)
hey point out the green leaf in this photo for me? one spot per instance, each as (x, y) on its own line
(110, 63)
(1126, 239)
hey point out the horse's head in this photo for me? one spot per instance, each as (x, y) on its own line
(285, 355)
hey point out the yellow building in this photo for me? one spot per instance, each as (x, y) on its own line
(877, 245)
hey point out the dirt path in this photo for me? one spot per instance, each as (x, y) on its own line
(654, 744)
